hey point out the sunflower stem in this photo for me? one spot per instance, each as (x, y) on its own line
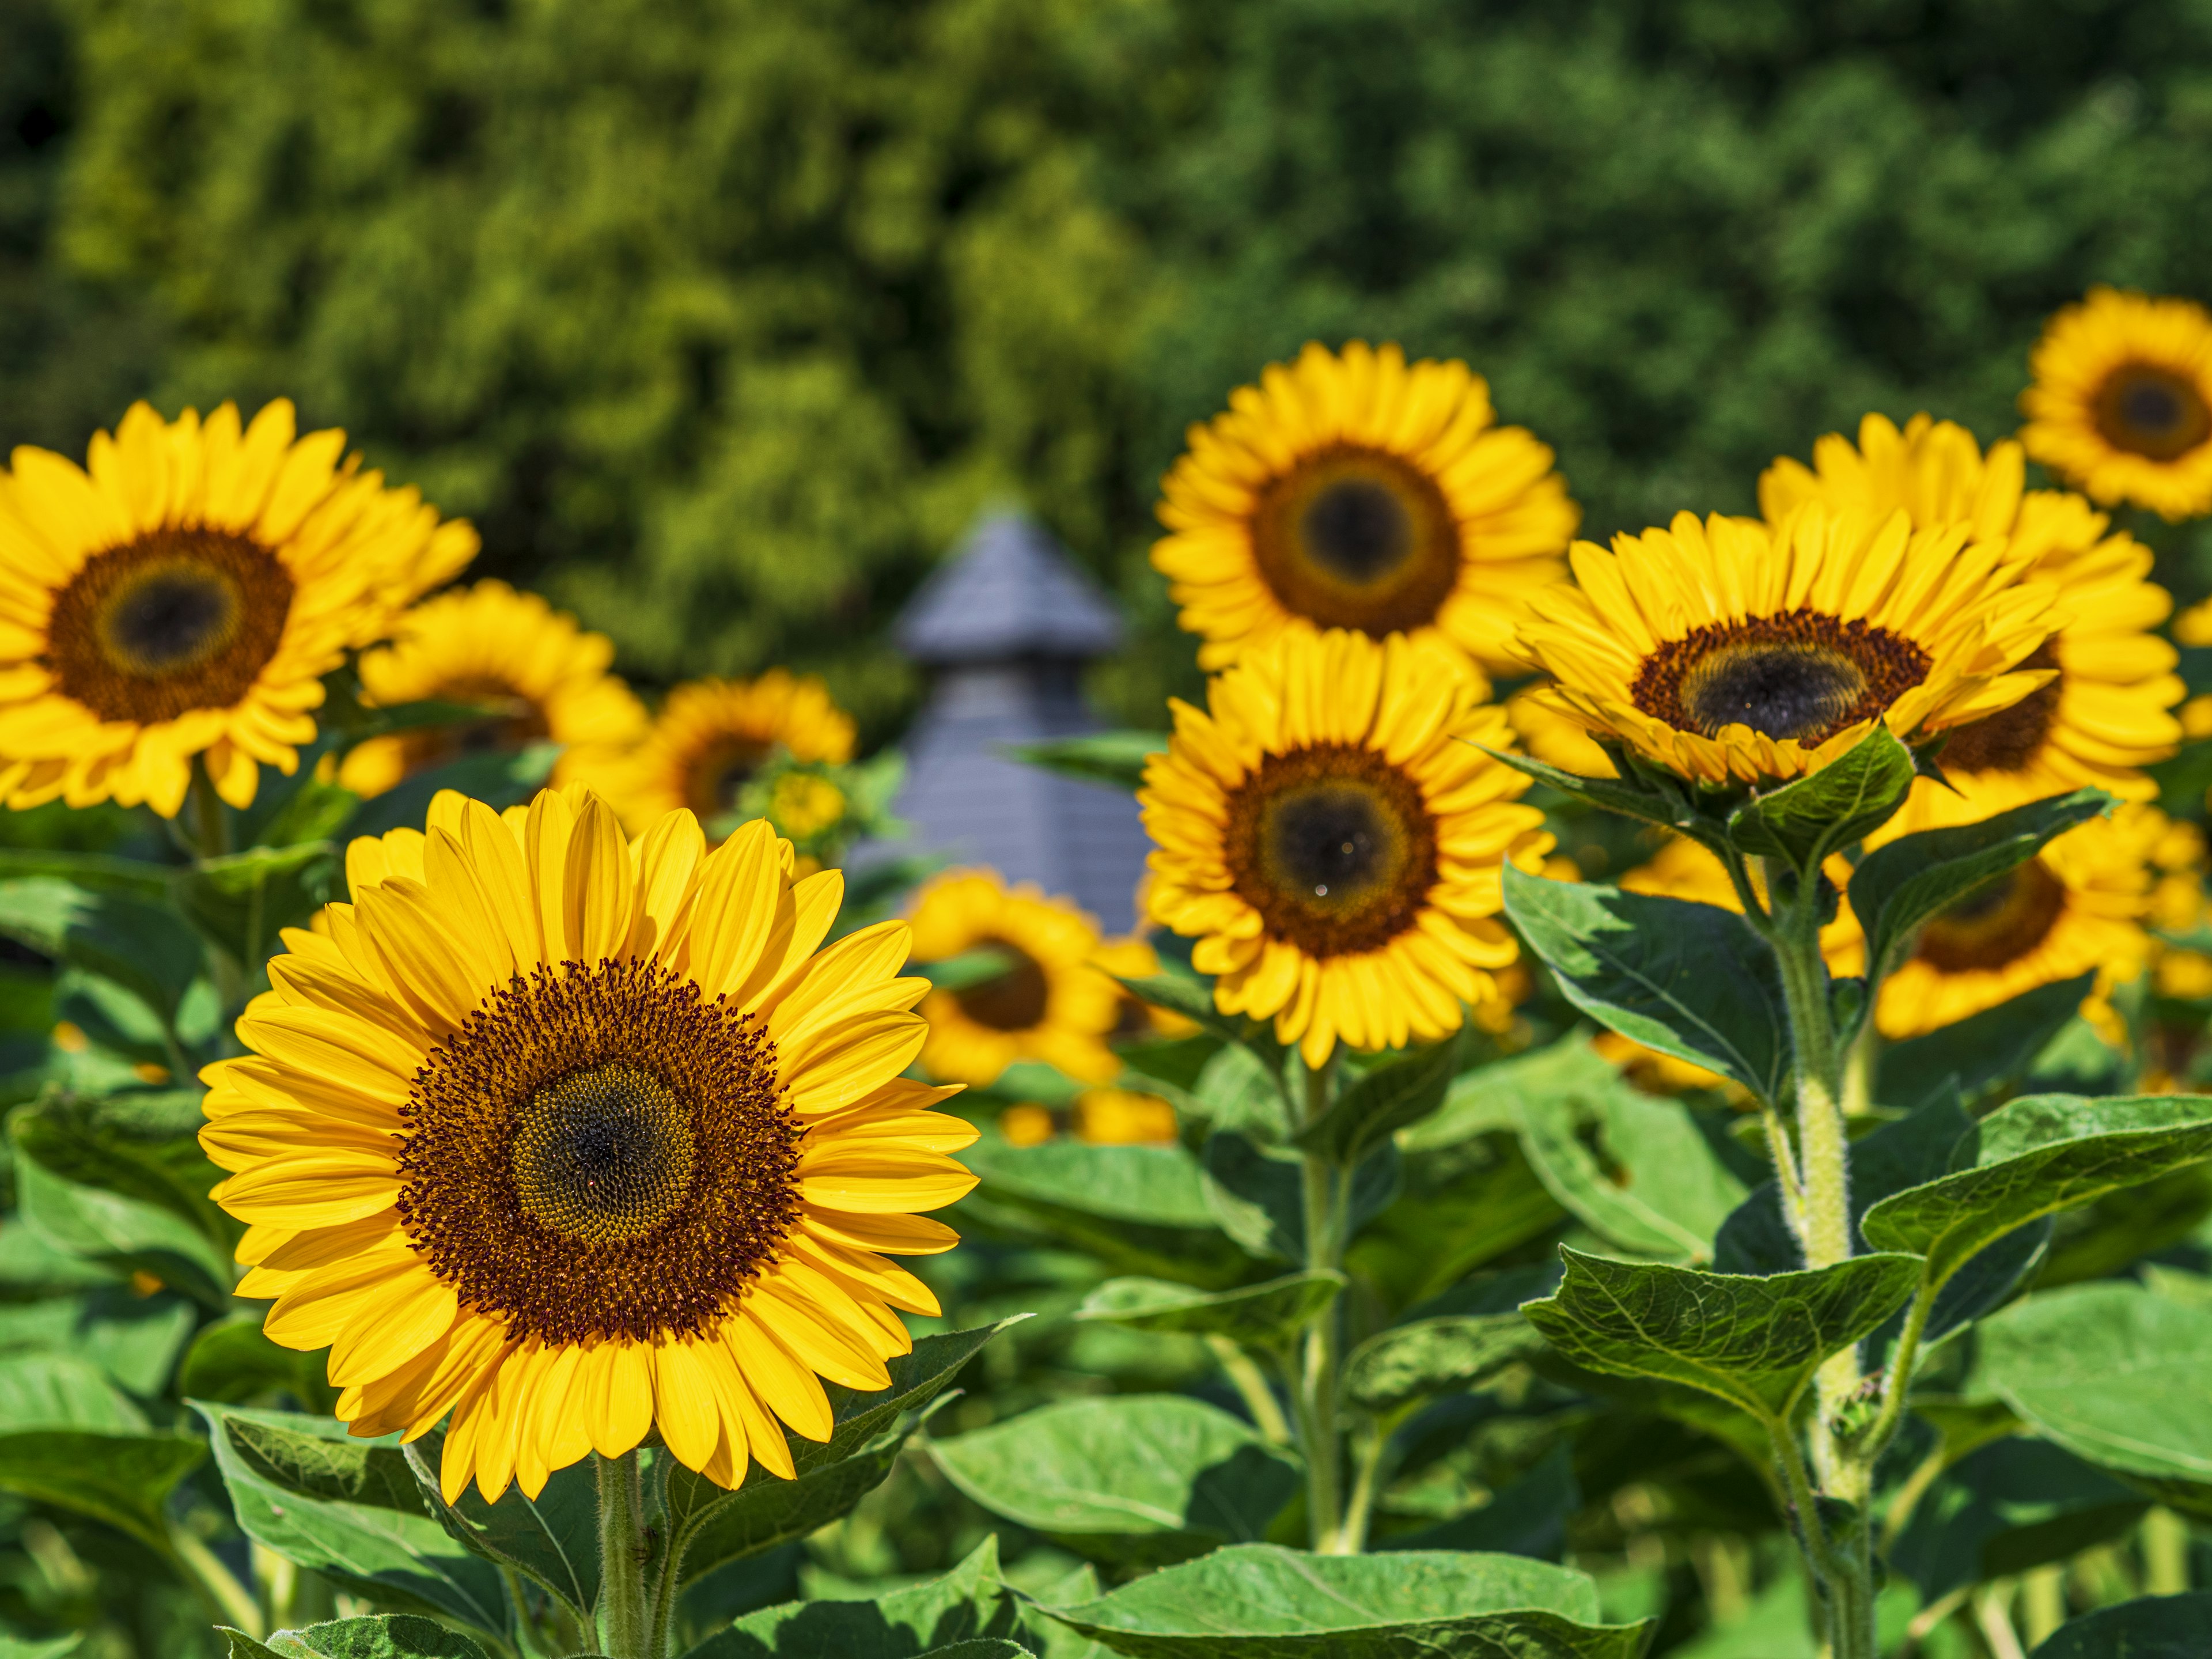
(212, 841)
(626, 1620)
(1326, 1194)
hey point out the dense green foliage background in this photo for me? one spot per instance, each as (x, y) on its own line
(723, 316)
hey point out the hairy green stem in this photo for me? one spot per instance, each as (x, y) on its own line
(1324, 1190)
(626, 1614)
(213, 842)
(1360, 1511)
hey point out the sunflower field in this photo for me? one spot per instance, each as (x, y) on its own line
(1659, 1101)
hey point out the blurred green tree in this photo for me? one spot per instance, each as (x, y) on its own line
(723, 316)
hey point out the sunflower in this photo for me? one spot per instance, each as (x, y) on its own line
(1330, 833)
(712, 735)
(2122, 402)
(1556, 739)
(2106, 716)
(2077, 906)
(1132, 956)
(1354, 491)
(179, 598)
(1726, 649)
(536, 675)
(1051, 1003)
(579, 1139)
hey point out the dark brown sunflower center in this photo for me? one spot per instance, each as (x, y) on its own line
(718, 772)
(2008, 739)
(1014, 1001)
(1997, 924)
(599, 1152)
(1333, 846)
(1357, 537)
(2151, 411)
(175, 621)
(1802, 674)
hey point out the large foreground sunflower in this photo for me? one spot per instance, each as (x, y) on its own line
(2122, 402)
(536, 675)
(1051, 1002)
(2106, 715)
(1725, 649)
(712, 735)
(181, 597)
(577, 1140)
(2076, 908)
(1332, 834)
(1356, 491)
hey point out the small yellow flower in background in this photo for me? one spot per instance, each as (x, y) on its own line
(68, 1036)
(1724, 649)
(1353, 490)
(804, 805)
(1123, 1117)
(1050, 1003)
(1027, 1124)
(180, 598)
(2122, 401)
(2104, 717)
(712, 735)
(2079, 905)
(2178, 906)
(538, 676)
(580, 1139)
(1330, 833)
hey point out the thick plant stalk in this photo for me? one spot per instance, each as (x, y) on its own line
(626, 1620)
(1324, 1191)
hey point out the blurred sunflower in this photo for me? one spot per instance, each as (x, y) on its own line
(2106, 715)
(2078, 906)
(1556, 739)
(1133, 958)
(1725, 649)
(2122, 401)
(1049, 1002)
(578, 1140)
(1332, 836)
(2179, 909)
(536, 674)
(712, 735)
(179, 598)
(1356, 491)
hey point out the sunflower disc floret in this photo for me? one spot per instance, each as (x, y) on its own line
(1721, 649)
(1331, 834)
(575, 1138)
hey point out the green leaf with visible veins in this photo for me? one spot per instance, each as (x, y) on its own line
(1256, 1316)
(1690, 980)
(1755, 1342)
(1400, 1366)
(2033, 1158)
(2153, 1627)
(1261, 1601)
(1807, 819)
(379, 1636)
(966, 1605)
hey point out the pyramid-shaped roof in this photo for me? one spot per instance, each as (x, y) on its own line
(1009, 590)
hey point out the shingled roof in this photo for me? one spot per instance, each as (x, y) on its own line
(1005, 626)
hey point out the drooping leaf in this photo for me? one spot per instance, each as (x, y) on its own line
(1256, 1192)
(968, 1604)
(551, 1539)
(2031, 1159)
(763, 1513)
(1253, 1315)
(1261, 1601)
(1400, 1366)
(1110, 757)
(1663, 1191)
(1382, 1100)
(2151, 1627)
(1755, 1342)
(121, 1233)
(1529, 1517)
(1825, 811)
(1689, 980)
(68, 1437)
(1899, 887)
(379, 1636)
(1136, 1478)
(1982, 1055)
(349, 1510)
(241, 901)
(2114, 1373)
(99, 1144)
(1635, 794)
(2006, 1509)
(139, 945)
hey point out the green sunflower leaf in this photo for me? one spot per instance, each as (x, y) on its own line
(2033, 1158)
(380, 1636)
(1754, 1342)
(1407, 1362)
(94, 872)
(2153, 1627)
(498, 781)
(233, 1362)
(1898, 888)
(1193, 999)
(1139, 1478)
(2008, 1508)
(969, 1607)
(1689, 980)
(1805, 820)
(1253, 1315)
(241, 902)
(1261, 1601)
(1256, 1193)
(140, 945)
(147, 1155)
(121, 1231)
(68, 1437)
(1654, 800)
(1982, 1055)
(1110, 757)
(551, 1539)
(1383, 1100)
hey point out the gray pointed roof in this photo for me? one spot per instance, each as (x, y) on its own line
(1010, 589)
